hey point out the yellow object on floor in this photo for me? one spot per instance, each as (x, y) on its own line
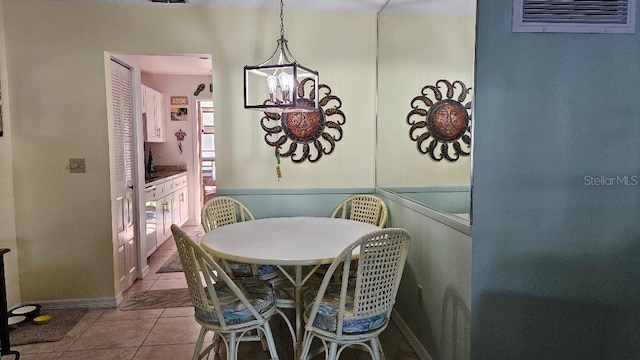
(42, 319)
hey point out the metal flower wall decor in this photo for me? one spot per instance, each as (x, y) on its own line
(440, 119)
(306, 135)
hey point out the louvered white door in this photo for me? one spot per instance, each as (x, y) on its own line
(122, 97)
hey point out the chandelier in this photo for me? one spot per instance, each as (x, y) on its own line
(273, 86)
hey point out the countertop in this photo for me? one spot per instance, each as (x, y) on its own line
(161, 174)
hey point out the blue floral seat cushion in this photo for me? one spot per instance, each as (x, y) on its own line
(326, 318)
(265, 272)
(259, 293)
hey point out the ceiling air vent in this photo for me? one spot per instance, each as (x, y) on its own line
(574, 16)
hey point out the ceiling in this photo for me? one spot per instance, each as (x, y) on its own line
(176, 64)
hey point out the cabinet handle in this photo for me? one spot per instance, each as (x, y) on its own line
(182, 197)
(165, 207)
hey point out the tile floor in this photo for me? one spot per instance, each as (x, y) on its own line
(159, 334)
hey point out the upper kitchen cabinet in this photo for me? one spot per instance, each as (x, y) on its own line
(153, 111)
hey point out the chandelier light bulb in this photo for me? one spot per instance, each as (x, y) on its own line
(272, 84)
(285, 85)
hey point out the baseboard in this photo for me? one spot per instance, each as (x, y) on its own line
(105, 303)
(145, 271)
(413, 341)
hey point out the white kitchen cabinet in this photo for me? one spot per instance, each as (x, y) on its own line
(164, 193)
(153, 111)
(164, 229)
(171, 207)
(180, 201)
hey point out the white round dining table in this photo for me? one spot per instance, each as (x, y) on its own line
(286, 241)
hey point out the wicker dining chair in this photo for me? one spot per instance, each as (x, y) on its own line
(366, 208)
(356, 311)
(225, 210)
(234, 312)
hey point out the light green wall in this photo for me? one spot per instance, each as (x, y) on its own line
(55, 60)
(415, 51)
(7, 218)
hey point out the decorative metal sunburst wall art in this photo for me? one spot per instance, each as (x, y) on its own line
(438, 121)
(306, 135)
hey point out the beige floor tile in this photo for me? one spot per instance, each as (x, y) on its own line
(171, 276)
(177, 330)
(46, 356)
(105, 354)
(151, 277)
(164, 251)
(48, 347)
(169, 284)
(115, 314)
(92, 315)
(87, 320)
(157, 261)
(166, 352)
(178, 312)
(114, 334)
(141, 285)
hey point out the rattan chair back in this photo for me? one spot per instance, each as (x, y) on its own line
(203, 275)
(382, 255)
(365, 208)
(221, 211)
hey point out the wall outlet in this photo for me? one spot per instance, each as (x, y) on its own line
(77, 165)
(420, 294)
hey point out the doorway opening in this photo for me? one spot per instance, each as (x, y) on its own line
(207, 149)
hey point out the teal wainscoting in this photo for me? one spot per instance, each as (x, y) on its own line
(439, 262)
(265, 203)
(449, 199)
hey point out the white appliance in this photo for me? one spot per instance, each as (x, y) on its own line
(151, 222)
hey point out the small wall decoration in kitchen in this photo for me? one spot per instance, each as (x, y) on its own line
(306, 135)
(179, 100)
(438, 121)
(180, 136)
(198, 90)
(179, 114)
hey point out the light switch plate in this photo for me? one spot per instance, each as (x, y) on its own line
(77, 165)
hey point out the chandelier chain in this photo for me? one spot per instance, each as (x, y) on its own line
(282, 18)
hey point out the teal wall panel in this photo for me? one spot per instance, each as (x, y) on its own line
(450, 199)
(556, 197)
(265, 203)
(439, 261)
